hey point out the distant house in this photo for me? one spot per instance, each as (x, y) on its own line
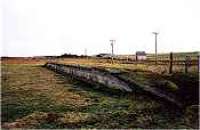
(141, 55)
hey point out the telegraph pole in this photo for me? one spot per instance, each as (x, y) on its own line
(156, 52)
(86, 53)
(112, 46)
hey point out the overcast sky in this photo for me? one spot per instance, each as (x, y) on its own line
(53, 27)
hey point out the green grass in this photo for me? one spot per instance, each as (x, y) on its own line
(35, 97)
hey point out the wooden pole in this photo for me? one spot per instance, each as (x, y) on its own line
(198, 60)
(187, 62)
(86, 54)
(186, 65)
(112, 52)
(156, 52)
(112, 57)
(170, 62)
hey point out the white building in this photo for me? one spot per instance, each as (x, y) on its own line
(141, 55)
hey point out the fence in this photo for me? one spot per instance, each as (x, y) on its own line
(170, 60)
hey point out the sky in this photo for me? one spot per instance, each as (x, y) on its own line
(54, 27)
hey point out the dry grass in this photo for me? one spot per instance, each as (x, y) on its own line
(106, 63)
(32, 87)
(34, 97)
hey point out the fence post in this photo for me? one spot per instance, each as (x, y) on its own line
(187, 63)
(112, 60)
(170, 62)
(198, 60)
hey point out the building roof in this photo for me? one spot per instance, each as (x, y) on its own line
(141, 53)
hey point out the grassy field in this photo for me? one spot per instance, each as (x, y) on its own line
(106, 63)
(34, 97)
(165, 56)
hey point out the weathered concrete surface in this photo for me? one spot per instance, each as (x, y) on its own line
(91, 75)
(109, 79)
(153, 91)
